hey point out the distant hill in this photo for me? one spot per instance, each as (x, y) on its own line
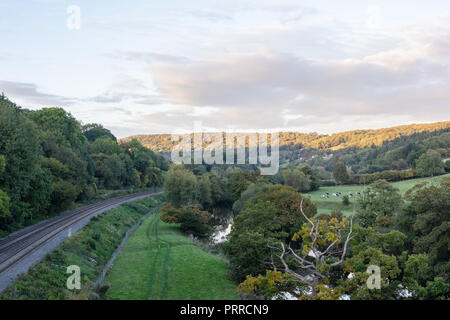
(289, 140)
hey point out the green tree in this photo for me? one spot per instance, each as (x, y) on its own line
(204, 192)
(4, 205)
(254, 190)
(323, 248)
(240, 180)
(106, 146)
(143, 157)
(312, 174)
(93, 131)
(170, 214)
(117, 169)
(2, 163)
(103, 172)
(56, 167)
(19, 140)
(380, 200)
(194, 221)
(180, 186)
(345, 200)
(39, 201)
(57, 124)
(128, 177)
(340, 173)
(447, 166)
(4, 199)
(247, 253)
(358, 264)
(63, 194)
(154, 176)
(220, 189)
(437, 289)
(296, 179)
(430, 164)
(269, 285)
(282, 216)
(272, 215)
(426, 222)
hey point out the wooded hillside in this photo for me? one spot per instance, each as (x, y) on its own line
(341, 140)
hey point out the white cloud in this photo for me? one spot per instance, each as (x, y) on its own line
(274, 81)
(30, 94)
(252, 64)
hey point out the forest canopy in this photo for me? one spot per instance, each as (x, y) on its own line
(49, 160)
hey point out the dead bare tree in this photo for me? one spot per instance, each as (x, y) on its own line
(316, 257)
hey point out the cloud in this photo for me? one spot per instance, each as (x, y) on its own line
(211, 15)
(127, 89)
(262, 79)
(289, 11)
(259, 86)
(251, 65)
(151, 100)
(146, 57)
(125, 97)
(29, 93)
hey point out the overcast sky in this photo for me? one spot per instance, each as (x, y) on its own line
(160, 66)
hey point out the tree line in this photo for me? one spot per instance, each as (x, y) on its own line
(49, 160)
(290, 141)
(418, 155)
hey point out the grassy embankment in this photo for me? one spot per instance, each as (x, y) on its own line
(327, 205)
(159, 262)
(90, 248)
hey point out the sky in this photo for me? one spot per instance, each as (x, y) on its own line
(140, 67)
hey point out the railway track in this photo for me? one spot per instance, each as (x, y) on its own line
(19, 245)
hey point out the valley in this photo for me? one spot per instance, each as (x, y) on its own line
(160, 263)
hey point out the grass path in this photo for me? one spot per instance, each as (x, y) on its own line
(327, 205)
(158, 263)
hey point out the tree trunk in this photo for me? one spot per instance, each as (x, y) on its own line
(314, 292)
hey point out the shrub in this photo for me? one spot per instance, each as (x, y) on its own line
(91, 244)
(194, 221)
(97, 236)
(190, 224)
(345, 200)
(384, 221)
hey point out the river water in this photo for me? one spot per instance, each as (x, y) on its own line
(222, 221)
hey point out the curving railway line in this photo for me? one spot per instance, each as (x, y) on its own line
(21, 244)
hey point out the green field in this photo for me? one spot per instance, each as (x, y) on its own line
(327, 205)
(158, 262)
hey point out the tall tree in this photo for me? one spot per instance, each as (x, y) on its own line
(93, 131)
(430, 164)
(296, 179)
(340, 173)
(380, 201)
(271, 215)
(105, 145)
(4, 199)
(204, 192)
(426, 222)
(180, 186)
(19, 141)
(324, 246)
